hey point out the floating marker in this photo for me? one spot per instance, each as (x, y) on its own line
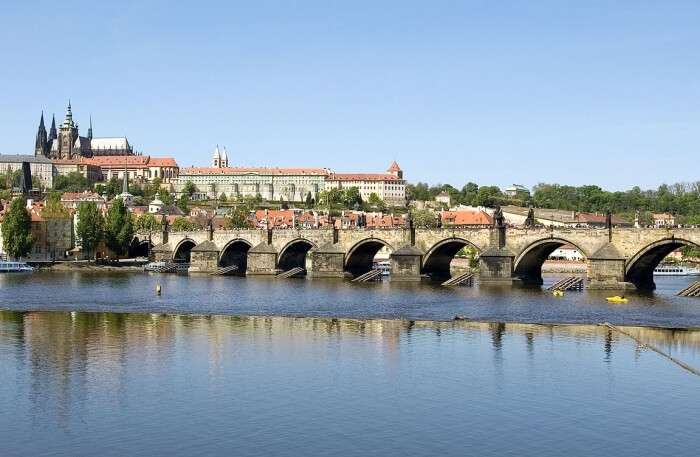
(158, 289)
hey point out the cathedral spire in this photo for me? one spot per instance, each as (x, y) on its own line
(40, 146)
(52, 133)
(90, 129)
(68, 122)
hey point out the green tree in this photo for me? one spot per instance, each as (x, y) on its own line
(375, 202)
(183, 224)
(147, 223)
(89, 227)
(189, 188)
(222, 198)
(184, 203)
(119, 228)
(17, 237)
(53, 208)
(238, 218)
(424, 218)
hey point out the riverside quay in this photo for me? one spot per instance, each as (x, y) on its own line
(615, 257)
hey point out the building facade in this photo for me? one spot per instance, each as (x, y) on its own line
(389, 187)
(41, 168)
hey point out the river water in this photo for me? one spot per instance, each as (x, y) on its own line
(117, 384)
(98, 364)
(135, 292)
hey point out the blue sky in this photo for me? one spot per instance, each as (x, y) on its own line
(580, 92)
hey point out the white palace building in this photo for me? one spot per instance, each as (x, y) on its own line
(288, 184)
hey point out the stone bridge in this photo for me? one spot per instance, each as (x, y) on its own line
(616, 257)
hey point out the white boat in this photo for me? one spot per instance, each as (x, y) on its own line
(154, 266)
(675, 270)
(14, 267)
(384, 267)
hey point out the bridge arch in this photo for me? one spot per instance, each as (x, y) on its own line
(183, 250)
(358, 260)
(639, 269)
(436, 262)
(140, 248)
(293, 254)
(528, 264)
(235, 253)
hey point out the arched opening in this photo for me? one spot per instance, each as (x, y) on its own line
(294, 255)
(437, 262)
(640, 268)
(528, 265)
(183, 251)
(235, 254)
(360, 258)
(139, 248)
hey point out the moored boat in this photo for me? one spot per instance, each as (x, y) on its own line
(15, 267)
(675, 270)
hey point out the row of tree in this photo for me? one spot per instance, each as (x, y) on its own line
(682, 199)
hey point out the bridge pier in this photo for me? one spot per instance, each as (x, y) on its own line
(327, 261)
(162, 253)
(204, 258)
(406, 264)
(262, 260)
(606, 269)
(496, 266)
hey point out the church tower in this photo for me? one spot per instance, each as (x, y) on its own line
(224, 158)
(216, 158)
(67, 135)
(41, 145)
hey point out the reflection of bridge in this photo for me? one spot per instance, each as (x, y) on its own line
(615, 257)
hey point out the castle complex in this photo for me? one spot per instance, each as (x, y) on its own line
(66, 142)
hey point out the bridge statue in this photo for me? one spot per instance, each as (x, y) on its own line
(616, 257)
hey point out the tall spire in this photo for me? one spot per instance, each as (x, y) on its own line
(41, 139)
(68, 122)
(90, 129)
(52, 133)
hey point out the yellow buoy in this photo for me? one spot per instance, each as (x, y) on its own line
(158, 289)
(558, 293)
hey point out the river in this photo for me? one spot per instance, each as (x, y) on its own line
(204, 294)
(115, 384)
(98, 364)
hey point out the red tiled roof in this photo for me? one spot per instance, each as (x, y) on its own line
(394, 167)
(129, 161)
(362, 177)
(466, 217)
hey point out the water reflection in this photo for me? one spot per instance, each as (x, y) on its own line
(337, 381)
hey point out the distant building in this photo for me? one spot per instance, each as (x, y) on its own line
(89, 171)
(389, 187)
(138, 168)
(663, 220)
(41, 168)
(567, 252)
(73, 199)
(444, 198)
(517, 191)
(65, 143)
